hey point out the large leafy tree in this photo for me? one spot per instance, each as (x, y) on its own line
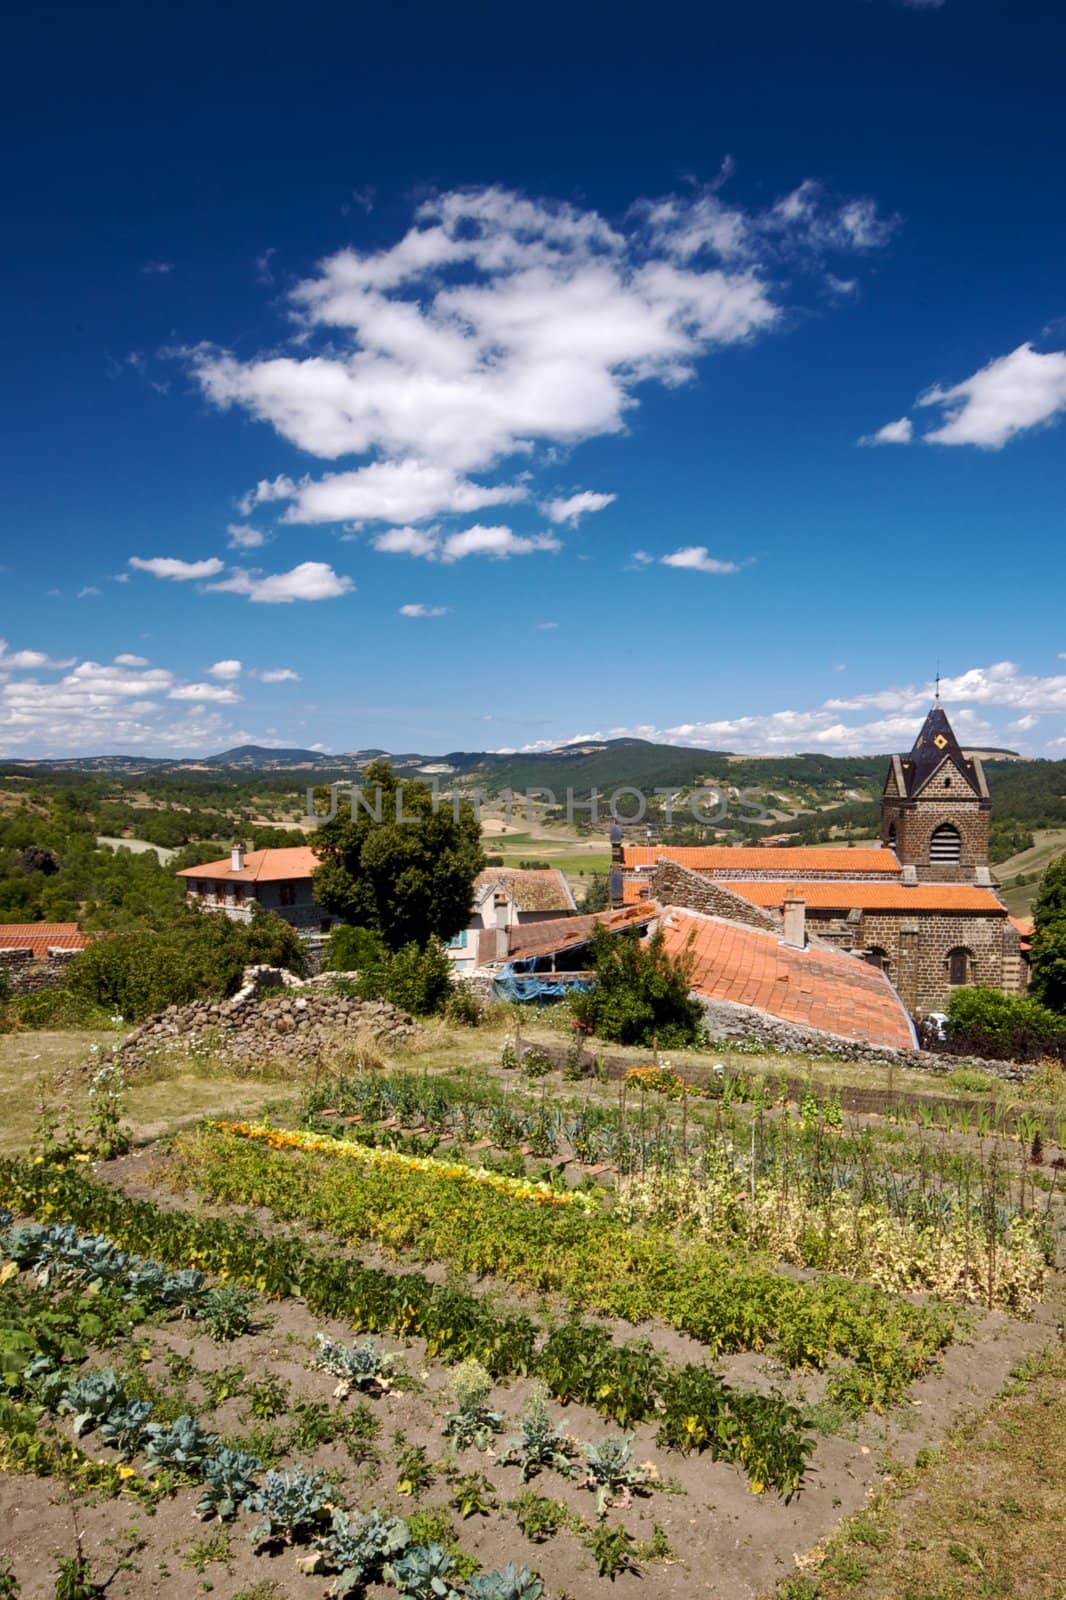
(1049, 938)
(408, 875)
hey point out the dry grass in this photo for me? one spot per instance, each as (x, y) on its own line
(983, 1521)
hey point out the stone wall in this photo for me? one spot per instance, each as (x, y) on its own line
(674, 885)
(26, 975)
(266, 1024)
(727, 1022)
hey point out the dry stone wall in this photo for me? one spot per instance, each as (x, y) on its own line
(24, 974)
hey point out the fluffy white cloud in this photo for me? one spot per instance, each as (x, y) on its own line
(409, 542)
(311, 580)
(575, 506)
(1011, 394)
(643, 559)
(696, 558)
(30, 660)
(179, 571)
(88, 592)
(499, 542)
(276, 675)
(1002, 684)
(244, 537)
(131, 661)
(419, 610)
(225, 669)
(499, 324)
(1023, 724)
(899, 432)
(404, 491)
(214, 692)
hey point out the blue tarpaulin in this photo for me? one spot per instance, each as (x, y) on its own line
(541, 987)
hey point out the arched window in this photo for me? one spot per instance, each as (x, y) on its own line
(945, 845)
(960, 965)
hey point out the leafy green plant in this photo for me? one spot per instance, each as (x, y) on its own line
(292, 1505)
(358, 1548)
(539, 1443)
(181, 1445)
(228, 1478)
(472, 1423)
(614, 1550)
(74, 1579)
(473, 1495)
(640, 994)
(224, 1383)
(424, 1572)
(539, 1518)
(414, 1470)
(509, 1583)
(91, 1398)
(360, 1366)
(268, 1397)
(226, 1312)
(607, 1469)
(123, 1427)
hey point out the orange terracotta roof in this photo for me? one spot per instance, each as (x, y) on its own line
(563, 933)
(786, 860)
(871, 896)
(531, 888)
(635, 890)
(260, 866)
(1024, 926)
(813, 988)
(40, 937)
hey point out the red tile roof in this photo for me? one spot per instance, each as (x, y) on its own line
(40, 937)
(260, 866)
(871, 896)
(784, 860)
(531, 888)
(813, 988)
(548, 938)
(635, 890)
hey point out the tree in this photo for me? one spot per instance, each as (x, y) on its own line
(1048, 955)
(640, 994)
(405, 870)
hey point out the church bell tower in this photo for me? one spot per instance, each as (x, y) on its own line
(935, 809)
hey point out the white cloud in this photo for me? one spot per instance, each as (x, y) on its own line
(276, 675)
(695, 558)
(311, 580)
(87, 592)
(575, 506)
(923, 5)
(1022, 390)
(419, 610)
(1023, 724)
(158, 268)
(225, 669)
(244, 537)
(30, 660)
(179, 571)
(547, 627)
(498, 325)
(899, 432)
(403, 491)
(1002, 684)
(498, 542)
(214, 692)
(409, 542)
(643, 559)
(265, 491)
(131, 661)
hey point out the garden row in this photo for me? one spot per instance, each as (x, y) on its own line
(630, 1383)
(595, 1259)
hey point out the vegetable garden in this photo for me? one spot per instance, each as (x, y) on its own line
(498, 1335)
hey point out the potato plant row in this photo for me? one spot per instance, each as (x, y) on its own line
(696, 1410)
(596, 1260)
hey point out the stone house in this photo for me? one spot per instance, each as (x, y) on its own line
(276, 880)
(506, 899)
(34, 955)
(922, 906)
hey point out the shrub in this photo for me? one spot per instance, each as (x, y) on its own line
(640, 994)
(199, 955)
(354, 950)
(1001, 1026)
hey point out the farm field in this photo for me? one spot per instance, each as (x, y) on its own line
(633, 1327)
(1049, 843)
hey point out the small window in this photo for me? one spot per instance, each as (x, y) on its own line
(945, 845)
(287, 894)
(878, 958)
(458, 942)
(960, 965)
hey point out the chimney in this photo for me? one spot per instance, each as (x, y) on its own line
(910, 875)
(236, 857)
(796, 924)
(503, 941)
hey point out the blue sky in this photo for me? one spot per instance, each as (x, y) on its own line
(461, 377)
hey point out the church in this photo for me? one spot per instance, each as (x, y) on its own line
(922, 907)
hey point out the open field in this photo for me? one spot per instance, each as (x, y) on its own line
(812, 1250)
(1049, 843)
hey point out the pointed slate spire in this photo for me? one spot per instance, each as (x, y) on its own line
(935, 743)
